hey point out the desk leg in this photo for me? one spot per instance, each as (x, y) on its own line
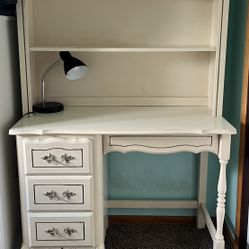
(224, 154)
(202, 188)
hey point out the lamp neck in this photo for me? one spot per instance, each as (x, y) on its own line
(45, 76)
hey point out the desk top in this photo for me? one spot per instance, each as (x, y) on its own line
(125, 121)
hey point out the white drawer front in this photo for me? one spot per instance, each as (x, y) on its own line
(85, 247)
(58, 155)
(60, 193)
(61, 229)
(57, 158)
(160, 144)
(54, 231)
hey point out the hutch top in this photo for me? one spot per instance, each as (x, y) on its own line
(139, 52)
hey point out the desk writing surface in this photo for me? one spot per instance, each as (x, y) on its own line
(125, 120)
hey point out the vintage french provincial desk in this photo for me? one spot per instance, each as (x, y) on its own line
(155, 85)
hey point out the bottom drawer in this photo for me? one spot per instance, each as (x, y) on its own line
(71, 247)
(63, 229)
(63, 247)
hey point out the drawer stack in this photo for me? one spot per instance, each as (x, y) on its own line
(59, 192)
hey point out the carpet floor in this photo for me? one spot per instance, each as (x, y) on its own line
(157, 236)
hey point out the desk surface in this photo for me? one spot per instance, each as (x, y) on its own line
(125, 120)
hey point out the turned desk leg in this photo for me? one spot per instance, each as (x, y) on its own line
(224, 154)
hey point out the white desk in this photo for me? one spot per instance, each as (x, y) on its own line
(102, 130)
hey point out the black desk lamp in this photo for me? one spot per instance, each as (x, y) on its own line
(74, 69)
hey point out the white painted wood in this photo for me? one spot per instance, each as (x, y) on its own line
(28, 28)
(113, 22)
(167, 54)
(219, 242)
(202, 188)
(24, 247)
(113, 51)
(46, 193)
(160, 144)
(224, 147)
(46, 155)
(41, 223)
(99, 193)
(22, 56)
(85, 247)
(151, 204)
(23, 193)
(101, 246)
(132, 101)
(215, 63)
(105, 178)
(42, 231)
(222, 60)
(129, 75)
(208, 220)
(41, 158)
(125, 121)
(126, 49)
(224, 155)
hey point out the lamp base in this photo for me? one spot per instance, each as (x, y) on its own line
(49, 107)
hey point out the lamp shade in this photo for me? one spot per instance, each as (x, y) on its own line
(73, 67)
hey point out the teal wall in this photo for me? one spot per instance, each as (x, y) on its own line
(145, 176)
(232, 98)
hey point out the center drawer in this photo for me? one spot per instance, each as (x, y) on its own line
(60, 193)
(58, 155)
(160, 144)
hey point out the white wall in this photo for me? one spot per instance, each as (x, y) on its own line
(9, 112)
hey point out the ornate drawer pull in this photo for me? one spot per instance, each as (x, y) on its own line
(53, 195)
(55, 232)
(51, 159)
(67, 158)
(69, 231)
(67, 194)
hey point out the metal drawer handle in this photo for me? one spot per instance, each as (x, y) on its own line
(67, 158)
(55, 232)
(69, 231)
(53, 195)
(67, 194)
(52, 159)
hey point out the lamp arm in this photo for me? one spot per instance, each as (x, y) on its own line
(44, 78)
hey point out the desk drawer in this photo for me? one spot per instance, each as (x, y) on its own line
(64, 229)
(65, 247)
(60, 193)
(160, 144)
(58, 155)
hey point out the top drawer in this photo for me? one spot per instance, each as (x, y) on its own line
(44, 155)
